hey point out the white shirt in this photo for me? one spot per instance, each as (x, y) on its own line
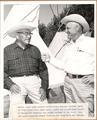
(79, 57)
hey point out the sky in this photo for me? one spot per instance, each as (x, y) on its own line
(45, 14)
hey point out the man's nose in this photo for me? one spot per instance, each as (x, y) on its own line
(28, 36)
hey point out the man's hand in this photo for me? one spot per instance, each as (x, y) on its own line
(15, 89)
(46, 57)
(43, 94)
(89, 80)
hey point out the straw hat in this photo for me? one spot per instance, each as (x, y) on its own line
(19, 28)
(78, 19)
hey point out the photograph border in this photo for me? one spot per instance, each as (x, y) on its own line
(41, 2)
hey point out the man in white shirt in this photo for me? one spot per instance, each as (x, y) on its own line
(78, 62)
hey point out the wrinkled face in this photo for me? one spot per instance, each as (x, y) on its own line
(24, 37)
(72, 29)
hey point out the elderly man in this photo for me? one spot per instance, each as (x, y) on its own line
(24, 71)
(78, 62)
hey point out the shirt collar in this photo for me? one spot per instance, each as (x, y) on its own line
(79, 39)
(17, 46)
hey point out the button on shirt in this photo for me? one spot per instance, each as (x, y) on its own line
(19, 62)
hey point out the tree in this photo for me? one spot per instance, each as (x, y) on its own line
(51, 30)
(42, 30)
(86, 10)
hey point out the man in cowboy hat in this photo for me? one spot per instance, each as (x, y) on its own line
(24, 71)
(78, 62)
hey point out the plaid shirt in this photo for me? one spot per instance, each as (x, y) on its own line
(19, 62)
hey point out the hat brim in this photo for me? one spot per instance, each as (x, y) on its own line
(13, 31)
(78, 19)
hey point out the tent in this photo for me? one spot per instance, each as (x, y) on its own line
(58, 44)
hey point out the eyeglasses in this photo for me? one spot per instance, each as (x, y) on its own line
(25, 33)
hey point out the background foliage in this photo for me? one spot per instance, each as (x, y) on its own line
(48, 32)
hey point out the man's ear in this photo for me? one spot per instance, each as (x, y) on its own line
(78, 28)
(17, 36)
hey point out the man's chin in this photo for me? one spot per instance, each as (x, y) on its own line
(69, 37)
(27, 42)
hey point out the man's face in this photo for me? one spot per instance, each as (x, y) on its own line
(71, 29)
(24, 37)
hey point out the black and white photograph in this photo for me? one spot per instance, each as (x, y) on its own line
(49, 60)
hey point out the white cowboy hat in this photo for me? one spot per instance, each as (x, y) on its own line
(19, 28)
(76, 18)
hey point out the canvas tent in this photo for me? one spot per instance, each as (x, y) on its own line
(58, 44)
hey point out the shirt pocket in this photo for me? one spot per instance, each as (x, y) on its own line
(13, 61)
(80, 49)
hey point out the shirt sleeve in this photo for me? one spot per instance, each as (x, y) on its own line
(43, 73)
(59, 64)
(7, 81)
